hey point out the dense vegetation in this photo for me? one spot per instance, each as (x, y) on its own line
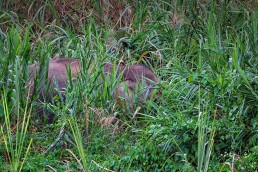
(205, 55)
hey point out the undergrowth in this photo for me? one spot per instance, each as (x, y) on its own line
(205, 55)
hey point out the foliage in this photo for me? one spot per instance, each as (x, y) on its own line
(204, 53)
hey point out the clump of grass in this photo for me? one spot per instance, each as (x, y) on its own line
(15, 138)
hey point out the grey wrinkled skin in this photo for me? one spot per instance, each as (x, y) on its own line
(137, 81)
(56, 72)
(57, 79)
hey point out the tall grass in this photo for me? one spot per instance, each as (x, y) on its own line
(15, 137)
(205, 135)
(204, 54)
(17, 111)
(79, 144)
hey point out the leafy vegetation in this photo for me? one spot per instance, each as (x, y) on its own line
(205, 55)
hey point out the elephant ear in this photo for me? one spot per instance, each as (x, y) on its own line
(124, 94)
(110, 69)
(144, 81)
(32, 73)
